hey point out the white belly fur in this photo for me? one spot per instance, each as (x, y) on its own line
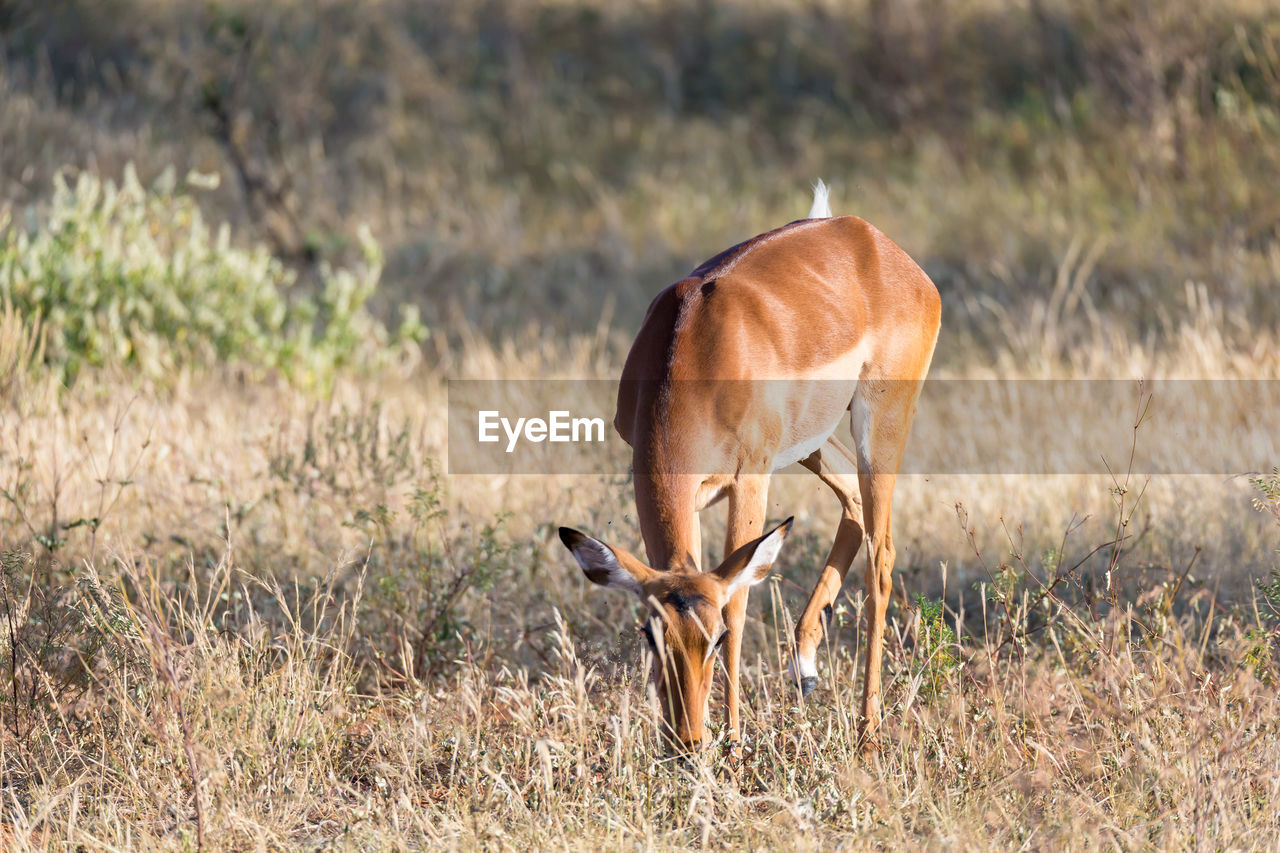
(804, 448)
(846, 368)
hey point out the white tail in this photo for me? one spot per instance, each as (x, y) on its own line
(821, 206)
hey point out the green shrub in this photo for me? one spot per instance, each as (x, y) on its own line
(937, 645)
(1264, 654)
(124, 275)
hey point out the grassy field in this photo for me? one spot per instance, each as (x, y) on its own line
(244, 606)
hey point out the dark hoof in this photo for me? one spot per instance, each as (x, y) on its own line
(807, 684)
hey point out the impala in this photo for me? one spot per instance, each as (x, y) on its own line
(741, 368)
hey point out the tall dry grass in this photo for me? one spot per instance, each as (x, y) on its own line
(265, 621)
(261, 738)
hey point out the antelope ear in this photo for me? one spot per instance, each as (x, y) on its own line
(605, 565)
(750, 564)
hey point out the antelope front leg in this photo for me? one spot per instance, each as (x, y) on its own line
(747, 504)
(735, 617)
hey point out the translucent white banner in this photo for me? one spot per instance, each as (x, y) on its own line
(961, 426)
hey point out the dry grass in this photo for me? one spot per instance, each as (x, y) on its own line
(239, 662)
(1156, 744)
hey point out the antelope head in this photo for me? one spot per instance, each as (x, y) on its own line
(683, 627)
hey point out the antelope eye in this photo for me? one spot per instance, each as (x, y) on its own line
(724, 635)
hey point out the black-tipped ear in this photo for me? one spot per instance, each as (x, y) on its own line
(602, 564)
(750, 564)
(570, 537)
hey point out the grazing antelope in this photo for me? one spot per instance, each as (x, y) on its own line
(743, 367)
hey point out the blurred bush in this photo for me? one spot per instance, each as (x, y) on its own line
(122, 275)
